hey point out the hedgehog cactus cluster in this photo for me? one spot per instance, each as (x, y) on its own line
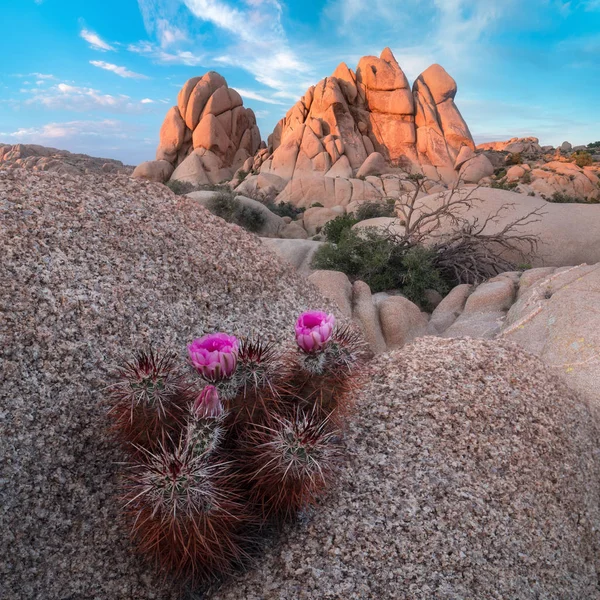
(246, 438)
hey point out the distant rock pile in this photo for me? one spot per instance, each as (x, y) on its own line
(206, 137)
(354, 125)
(42, 158)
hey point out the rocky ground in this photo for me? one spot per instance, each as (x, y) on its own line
(472, 473)
(472, 468)
(93, 267)
(42, 158)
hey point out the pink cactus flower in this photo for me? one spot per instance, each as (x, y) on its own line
(314, 329)
(208, 404)
(215, 355)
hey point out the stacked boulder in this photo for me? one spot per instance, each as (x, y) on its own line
(356, 125)
(206, 137)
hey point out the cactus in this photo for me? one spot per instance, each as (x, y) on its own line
(258, 444)
(149, 401)
(289, 462)
(187, 514)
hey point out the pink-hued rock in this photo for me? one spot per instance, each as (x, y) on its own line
(154, 170)
(209, 116)
(476, 168)
(172, 134)
(374, 165)
(354, 115)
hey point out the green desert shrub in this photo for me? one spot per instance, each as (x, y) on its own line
(582, 158)
(562, 198)
(594, 145)
(514, 159)
(333, 230)
(373, 257)
(232, 210)
(181, 187)
(373, 210)
(284, 209)
(502, 184)
(316, 205)
(526, 177)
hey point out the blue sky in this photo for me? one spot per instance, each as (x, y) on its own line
(98, 76)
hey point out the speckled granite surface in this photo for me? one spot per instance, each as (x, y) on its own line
(473, 474)
(90, 267)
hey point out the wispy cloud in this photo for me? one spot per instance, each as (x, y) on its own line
(55, 131)
(120, 71)
(257, 44)
(179, 57)
(65, 96)
(95, 41)
(250, 95)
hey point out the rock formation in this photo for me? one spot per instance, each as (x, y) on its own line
(473, 474)
(363, 123)
(94, 267)
(206, 137)
(43, 158)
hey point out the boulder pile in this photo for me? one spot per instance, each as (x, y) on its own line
(206, 137)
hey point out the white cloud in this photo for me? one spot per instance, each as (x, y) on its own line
(257, 40)
(95, 41)
(65, 96)
(147, 101)
(168, 34)
(177, 57)
(55, 131)
(121, 71)
(250, 95)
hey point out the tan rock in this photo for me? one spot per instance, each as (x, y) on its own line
(191, 170)
(210, 134)
(401, 321)
(184, 94)
(366, 314)
(196, 103)
(154, 170)
(449, 309)
(476, 168)
(375, 164)
(297, 252)
(341, 168)
(441, 85)
(172, 133)
(315, 218)
(337, 287)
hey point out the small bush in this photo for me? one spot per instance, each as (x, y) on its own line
(334, 229)
(514, 159)
(526, 177)
(181, 187)
(562, 198)
(373, 210)
(500, 173)
(582, 158)
(502, 184)
(232, 210)
(372, 257)
(242, 175)
(285, 209)
(594, 145)
(316, 205)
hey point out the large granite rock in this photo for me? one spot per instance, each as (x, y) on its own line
(208, 135)
(472, 472)
(367, 122)
(92, 268)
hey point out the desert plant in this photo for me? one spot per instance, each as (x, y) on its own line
(582, 158)
(181, 187)
(526, 178)
(373, 210)
(316, 205)
(461, 249)
(285, 209)
(502, 184)
(564, 198)
(227, 206)
(333, 230)
(257, 444)
(514, 158)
